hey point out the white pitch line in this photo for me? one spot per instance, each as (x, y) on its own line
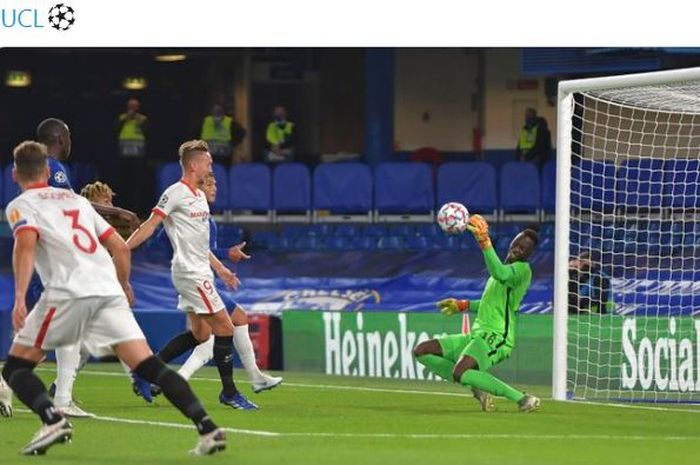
(406, 391)
(498, 436)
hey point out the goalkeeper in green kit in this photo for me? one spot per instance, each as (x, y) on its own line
(467, 358)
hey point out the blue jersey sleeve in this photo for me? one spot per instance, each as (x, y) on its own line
(59, 175)
(213, 232)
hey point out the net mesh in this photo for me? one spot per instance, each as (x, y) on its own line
(635, 245)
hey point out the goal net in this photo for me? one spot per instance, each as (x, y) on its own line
(627, 272)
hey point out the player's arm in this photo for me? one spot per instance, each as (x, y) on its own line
(23, 267)
(125, 215)
(505, 274)
(226, 275)
(121, 255)
(145, 231)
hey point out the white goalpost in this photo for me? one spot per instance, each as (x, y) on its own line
(627, 253)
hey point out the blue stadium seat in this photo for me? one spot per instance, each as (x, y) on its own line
(250, 187)
(593, 186)
(640, 184)
(293, 231)
(390, 243)
(346, 230)
(418, 243)
(319, 230)
(402, 230)
(428, 230)
(261, 239)
(374, 230)
(549, 186)
(291, 188)
(222, 198)
(365, 243)
(445, 242)
(472, 184)
(403, 188)
(336, 243)
(308, 243)
(520, 187)
(167, 174)
(681, 184)
(343, 189)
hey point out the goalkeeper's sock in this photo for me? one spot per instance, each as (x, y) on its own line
(489, 383)
(200, 356)
(177, 391)
(178, 346)
(438, 365)
(223, 357)
(67, 364)
(244, 347)
(28, 388)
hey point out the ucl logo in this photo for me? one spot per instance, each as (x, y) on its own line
(60, 17)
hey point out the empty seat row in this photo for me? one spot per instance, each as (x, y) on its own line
(388, 189)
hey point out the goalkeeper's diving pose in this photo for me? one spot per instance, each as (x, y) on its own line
(467, 358)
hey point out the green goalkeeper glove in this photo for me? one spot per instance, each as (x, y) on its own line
(449, 307)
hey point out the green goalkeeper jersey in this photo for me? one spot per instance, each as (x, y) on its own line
(501, 299)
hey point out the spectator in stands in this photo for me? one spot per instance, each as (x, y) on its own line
(223, 134)
(535, 140)
(589, 286)
(131, 167)
(280, 137)
(131, 127)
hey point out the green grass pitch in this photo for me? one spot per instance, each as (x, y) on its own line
(320, 419)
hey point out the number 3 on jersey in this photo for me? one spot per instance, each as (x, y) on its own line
(91, 242)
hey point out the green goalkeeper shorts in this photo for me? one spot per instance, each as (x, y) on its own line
(475, 345)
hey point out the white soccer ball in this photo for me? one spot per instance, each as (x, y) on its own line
(453, 217)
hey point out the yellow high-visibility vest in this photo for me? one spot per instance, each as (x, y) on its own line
(527, 138)
(217, 132)
(277, 135)
(131, 130)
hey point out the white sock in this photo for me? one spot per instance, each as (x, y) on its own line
(200, 356)
(126, 368)
(244, 347)
(67, 361)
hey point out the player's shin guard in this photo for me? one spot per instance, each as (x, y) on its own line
(200, 356)
(29, 389)
(438, 365)
(178, 346)
(244, 347)
(223, 357)
(489, 383)
(177, 391)
(67, 364)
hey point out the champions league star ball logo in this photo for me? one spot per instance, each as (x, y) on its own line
(61, 17)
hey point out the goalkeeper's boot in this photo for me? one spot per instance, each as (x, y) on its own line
(74, 411)
(141, 387)
(5, 399)
(485, 399)
(210, 443)
(47, 436)
(237, 401)
(266, 383)
(529, 403)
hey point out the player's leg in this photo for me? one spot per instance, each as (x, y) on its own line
(113, 326)
(68, 360)
(471, 370)
(187, 340)
(439, 355)
(244, 347)
(200, 356)
(5, 399)
(222, 327)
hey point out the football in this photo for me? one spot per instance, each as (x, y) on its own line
(61, 17)
(452, 218)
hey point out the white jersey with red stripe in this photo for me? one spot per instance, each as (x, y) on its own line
(185, 214)
(70, 260)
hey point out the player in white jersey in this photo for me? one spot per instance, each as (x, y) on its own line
(184, 212)
(86, 298)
